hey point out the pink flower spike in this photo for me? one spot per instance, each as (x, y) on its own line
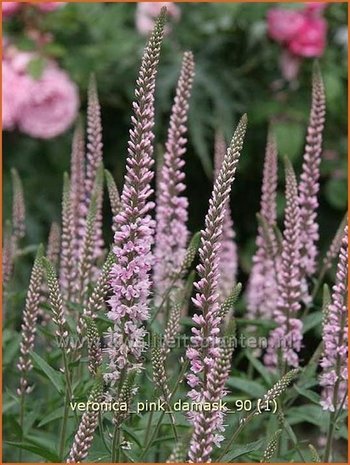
(262, 286)
(309, 178)
(286, 338)
(130, 276)
(203, 353)
(334, 374)
(171, 212)
(228, 262)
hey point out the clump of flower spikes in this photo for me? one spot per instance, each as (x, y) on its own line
(228, 262)
(286, 338)
(335, 338)
(85, 434)
(309, 178)
(262, 292)
(133, 239)
(30, 315)
(172, 205)
(204, 353)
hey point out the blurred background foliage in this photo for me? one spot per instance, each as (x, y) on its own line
(237, 71)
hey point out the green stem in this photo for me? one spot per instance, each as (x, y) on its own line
(155, 431)
(236, 433)
(64, 427)
(21, 421)
(100, 425)
(115, 445)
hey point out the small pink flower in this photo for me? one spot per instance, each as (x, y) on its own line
(147, 12)
(311, 38)
(283, 25)
(47, 7)
(51, 106)
(10, 8)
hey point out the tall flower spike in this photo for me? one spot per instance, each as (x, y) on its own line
(18, 208)
(88, 424)
(309, 178)
(133, 239)
(286, 339)
(67, 262)
(172, 205)
(334, 375)
(262, 292)
(94, 159)
(77, 188)
(30, 315)
(228, 262)
(7, 254)
(204, 352)
(56, 305)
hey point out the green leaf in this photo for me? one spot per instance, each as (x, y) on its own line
(311, 395)
(238, 450)
(254, 389)
(52, 416)
(54, 376)
(37, 449)
(36, 67)
(311, 321)
(260, 368)
(312, 414)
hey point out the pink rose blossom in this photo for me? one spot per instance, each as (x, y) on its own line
(10, 8)
(283, 25)
(14, 93)
(147, 12)
(51, 106)
(311, 38)
(47, 7)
